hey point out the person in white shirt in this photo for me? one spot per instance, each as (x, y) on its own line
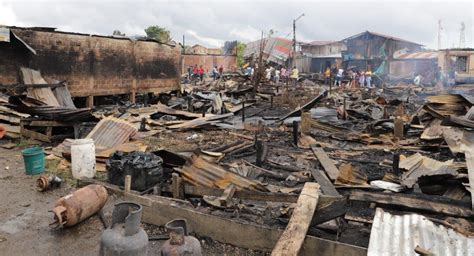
(338, 79)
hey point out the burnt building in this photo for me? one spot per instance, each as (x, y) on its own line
(91, 65)
(373, 51)
(210, 57)
(316, 56)
(458, 63)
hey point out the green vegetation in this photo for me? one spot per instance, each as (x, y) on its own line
(240, 53)
(158, 33)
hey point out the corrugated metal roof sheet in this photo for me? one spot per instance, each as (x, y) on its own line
(381, 35)
(400, 234)
(200, 172)
(278, 48)
(418, 56)
(111, 132)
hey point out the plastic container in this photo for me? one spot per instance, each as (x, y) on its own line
(34, 160)
(83, 158)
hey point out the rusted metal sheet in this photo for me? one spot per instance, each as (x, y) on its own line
(45, 95)
(35, 107)
(418, 56)
(400, 234)
(200, 172)
(111, 132)
(418, 166)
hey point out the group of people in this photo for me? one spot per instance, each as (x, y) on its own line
(357, 78)
(198, 72)
(282, 74)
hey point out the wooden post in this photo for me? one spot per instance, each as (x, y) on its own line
(292, 239)
(128, 183)
(305, 122)
(396, 163)
(295, 133)
(177, 186)
(398, 128)
(133, 99)
(243, 111)
(90, 101)
(259, 147)
(344, 116)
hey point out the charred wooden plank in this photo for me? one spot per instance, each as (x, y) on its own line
(326, 162)
(326, 186)
(291, 241)
(419, 202)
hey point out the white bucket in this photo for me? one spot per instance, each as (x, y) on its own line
(83, 158)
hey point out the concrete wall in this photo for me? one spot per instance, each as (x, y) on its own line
(93, 65)
(229, 62)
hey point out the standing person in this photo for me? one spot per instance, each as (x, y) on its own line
(215, 73)
(277, 76)
(221, 70)
(195, 71)
(368, 79)
(362, 79)
(268, 73)
(201, 73)
(283, 74)
(338, 79)
(294, 75)
(327, 76)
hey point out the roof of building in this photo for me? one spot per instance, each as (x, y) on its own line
(381, 35)
(321, 42)
(418, 55)
(277, 47)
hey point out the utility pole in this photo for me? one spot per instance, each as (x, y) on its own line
(462, 36)
(294, 34)
(440, 28)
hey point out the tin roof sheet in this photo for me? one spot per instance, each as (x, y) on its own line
(393, 234)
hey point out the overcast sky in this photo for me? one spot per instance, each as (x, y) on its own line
(210, 23)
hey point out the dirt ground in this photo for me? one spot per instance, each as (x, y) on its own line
(24, 219)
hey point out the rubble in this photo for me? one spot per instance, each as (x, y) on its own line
(302, 169)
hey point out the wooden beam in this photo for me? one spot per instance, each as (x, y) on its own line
(326, 162)
(326, 186)
(292, 239)
(428, 203)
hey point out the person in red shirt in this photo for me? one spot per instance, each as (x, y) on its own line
(195, 71)
(221, 70)
(201, 72)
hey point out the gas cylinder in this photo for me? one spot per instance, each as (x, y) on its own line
(125, 236)
(180, 243)
(78, 206)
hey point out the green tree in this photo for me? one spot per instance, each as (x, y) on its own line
(158, 33)
(240, 49)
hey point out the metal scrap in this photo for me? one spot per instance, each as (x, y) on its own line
(400, 234)
(111, 132)
(200, 172)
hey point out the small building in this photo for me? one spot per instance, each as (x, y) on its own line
(91, 65)
(405, 65)
(210, 57)
(459, 62)
(275, 50)
(316, 56)
(374, 51)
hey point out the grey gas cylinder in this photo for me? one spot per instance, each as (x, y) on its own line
(180, 243)
(125, 237)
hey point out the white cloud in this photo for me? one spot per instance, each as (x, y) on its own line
(206, 40)
(7, 15)
(212, 22)
(247, 33)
